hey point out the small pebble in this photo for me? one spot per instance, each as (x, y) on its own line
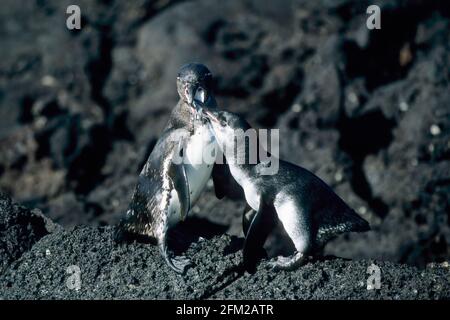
(362, 210)
(48, 81)
(353, 98)
(338, 176)
(435, 130)
(296, 108)
(403, 106)
(310, 145)
(40, 122)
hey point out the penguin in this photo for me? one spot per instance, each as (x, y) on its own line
(175, 172)
(308, 209)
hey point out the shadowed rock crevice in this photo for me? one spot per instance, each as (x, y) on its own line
(99, 67)
(433, 243)
(280, 100)
(390, 51)
(360, 137)
(194, 229)
(26, 115)
(20, 229)
(85, 171)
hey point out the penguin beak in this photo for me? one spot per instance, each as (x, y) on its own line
(189, 93)
(210, 115)
(196, 96)
(200, 95)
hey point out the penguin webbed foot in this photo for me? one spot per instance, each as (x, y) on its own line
(287, 263)
(177, 263)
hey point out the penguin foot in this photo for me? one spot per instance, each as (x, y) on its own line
(287, 263)
(179, 263)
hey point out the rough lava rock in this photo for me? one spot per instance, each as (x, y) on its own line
(20, 229)
(107, 270)
(367, 111)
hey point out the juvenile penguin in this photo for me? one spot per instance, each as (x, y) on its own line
(175, 173)
(309, 211)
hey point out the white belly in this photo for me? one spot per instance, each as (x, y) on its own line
(199, 160)
(250, 191)
(251, 195)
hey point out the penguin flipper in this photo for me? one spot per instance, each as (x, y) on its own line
(137, 216)
(218, 180)
(224, 183)
(247, 217)
(262, 224)
(177, 173)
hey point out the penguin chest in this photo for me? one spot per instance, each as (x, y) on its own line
(251, 191)
(251, 195)
(199, 160)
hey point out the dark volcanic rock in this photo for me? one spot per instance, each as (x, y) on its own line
(20, 229)
(340, 279)
(137, 271)
(55, 122)
(409, 177)
(367, 111)
(108, 270)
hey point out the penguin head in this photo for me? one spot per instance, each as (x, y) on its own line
(194, 84)
(225, 124)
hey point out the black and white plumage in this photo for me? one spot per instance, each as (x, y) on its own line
(309, 211)
(167, 188)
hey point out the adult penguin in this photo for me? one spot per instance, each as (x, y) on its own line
(175, 173)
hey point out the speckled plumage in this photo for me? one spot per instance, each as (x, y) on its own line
(163, 195)
(145, 214)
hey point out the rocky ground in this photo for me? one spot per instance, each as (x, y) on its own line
(40, 264)
(367, 111)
